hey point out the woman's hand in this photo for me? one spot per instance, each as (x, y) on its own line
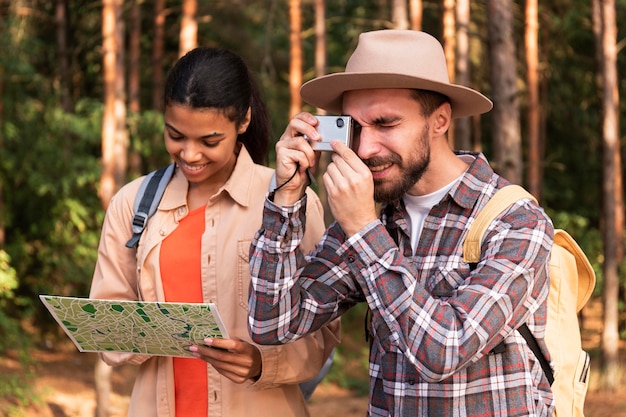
(235, 359)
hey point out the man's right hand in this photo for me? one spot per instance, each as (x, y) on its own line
(294, 156)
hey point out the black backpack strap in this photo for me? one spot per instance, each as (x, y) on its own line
(534, 346)
(147, 200)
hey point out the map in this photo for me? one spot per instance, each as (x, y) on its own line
(154, 328)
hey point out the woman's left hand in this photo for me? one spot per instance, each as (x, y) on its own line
(235, 359)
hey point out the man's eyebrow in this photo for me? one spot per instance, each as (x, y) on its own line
(207, 136)
(382, 120)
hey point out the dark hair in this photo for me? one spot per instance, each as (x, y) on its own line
(217, 78)
(429, 100)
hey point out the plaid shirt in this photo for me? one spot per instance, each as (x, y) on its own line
(435, 320)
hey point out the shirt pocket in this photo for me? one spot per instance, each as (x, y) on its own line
(243, 272)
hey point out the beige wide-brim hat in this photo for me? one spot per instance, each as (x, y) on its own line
(394, 59)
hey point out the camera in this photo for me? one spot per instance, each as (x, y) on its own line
(333, 128)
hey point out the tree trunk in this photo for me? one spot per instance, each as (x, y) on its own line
(320, 69)
(295, 56)
(157, 54)
(399, 14)
(612, 195)
(134, 84)
(462, 128)
(134, 56)
(505, 115)
(2, 152)
(416, 12)
(188, 27)
(534, 165)
(114, 146)
(63, 55)
(449, 47)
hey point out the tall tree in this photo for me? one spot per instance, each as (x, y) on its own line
(3, 213)
(399, 14)
(134, 84)
(295, 56)
(462, 127)
(60, 18)
(114, 145)
(534, 164)
(188, 27)
(416, 13)
(449, 48)
(505, 115)
(611, 189)
(157, 54)
(134, 56)
(320, 69)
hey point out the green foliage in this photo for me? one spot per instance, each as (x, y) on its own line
(587, 237)
(8, 277)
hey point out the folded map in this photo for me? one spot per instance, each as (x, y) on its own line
(153, 328)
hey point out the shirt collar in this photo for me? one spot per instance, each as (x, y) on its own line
(478, 177)
(238, 186)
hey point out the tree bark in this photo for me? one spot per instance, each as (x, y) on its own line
(399, 14)
(188, 27)
(157, 55)
(534, 164)
(134, 77)
(134, 56)
(505, 115)
(295, 56)
(462, 128)
(449, 46)
(63, 55)
(612, 194)
(416, 13)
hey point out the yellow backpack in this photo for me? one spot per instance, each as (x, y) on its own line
(572, 281)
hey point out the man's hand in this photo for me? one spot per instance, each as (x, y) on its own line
(294, 156)
(235, 359)
(350, 189)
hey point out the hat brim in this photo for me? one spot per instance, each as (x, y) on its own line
(326, 92)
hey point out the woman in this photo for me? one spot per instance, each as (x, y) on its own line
(195, 249)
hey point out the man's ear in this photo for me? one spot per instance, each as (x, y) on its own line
(441, 119)
(246, 122)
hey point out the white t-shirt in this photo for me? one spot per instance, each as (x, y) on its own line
(418, 206)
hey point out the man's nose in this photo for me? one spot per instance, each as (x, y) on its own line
(366, 143)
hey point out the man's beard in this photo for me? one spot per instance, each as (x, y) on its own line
(411, 171)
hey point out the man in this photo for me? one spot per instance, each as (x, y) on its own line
(443, 339)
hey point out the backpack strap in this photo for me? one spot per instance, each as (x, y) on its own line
(500, 201)
(534, 346)
(147, 200)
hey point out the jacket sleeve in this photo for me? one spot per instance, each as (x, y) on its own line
(302, 360)
(115, 275)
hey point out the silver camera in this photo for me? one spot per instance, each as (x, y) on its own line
(333, 128)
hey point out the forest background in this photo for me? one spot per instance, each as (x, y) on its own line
(80, 115)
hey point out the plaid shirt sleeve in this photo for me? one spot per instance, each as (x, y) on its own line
(286, 300)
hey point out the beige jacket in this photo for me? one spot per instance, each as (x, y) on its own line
(233, 216)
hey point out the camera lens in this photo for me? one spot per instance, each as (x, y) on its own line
(340, 122)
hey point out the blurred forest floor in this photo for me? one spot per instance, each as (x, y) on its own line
(64, 383)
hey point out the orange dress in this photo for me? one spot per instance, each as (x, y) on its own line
(182, 282)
